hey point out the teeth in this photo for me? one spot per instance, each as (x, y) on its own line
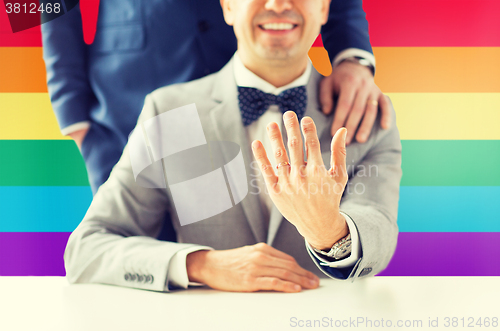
(278, 26)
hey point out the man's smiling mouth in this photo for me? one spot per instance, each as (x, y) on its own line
(278, 26)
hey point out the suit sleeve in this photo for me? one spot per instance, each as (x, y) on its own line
(65, 55)
(371, 200)
(115, 243)
(346, 28)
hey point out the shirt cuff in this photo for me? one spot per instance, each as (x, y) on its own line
(177, 272)
(355, 248)
(350, 52)
(75, 127)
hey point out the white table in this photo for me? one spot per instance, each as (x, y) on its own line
(49, 303)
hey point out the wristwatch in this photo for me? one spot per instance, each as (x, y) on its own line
(360, 60)
(339, 250)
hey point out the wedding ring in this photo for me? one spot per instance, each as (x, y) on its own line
(373, 102)
(282, 164)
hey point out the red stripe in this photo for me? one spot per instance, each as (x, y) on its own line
(392, 23)
(433, 23)
(396, 23)
(28, 38)
(90, 13)
(318, 42)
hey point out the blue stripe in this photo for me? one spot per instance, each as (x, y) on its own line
(449, 209)
(43, 208)
(421, 208)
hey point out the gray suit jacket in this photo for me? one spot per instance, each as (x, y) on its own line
(115, 243)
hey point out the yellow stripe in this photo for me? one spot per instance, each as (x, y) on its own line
(442, 116)
(27, 116)
(428, 116)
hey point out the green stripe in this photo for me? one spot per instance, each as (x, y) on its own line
(41, 163)
(451, 163)
(425, 163)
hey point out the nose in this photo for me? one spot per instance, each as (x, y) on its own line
(279, 6)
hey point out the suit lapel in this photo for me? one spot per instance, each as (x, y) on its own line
(228, 126)
(313, 110)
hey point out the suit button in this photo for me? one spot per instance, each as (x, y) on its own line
(127, 277)
(140, 278)
(132, 277)
(365, 272)
(148, 279)
(203, 26)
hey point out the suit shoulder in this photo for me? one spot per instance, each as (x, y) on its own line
(177, 95)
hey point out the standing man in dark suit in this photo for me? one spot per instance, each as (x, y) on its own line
(97, 90)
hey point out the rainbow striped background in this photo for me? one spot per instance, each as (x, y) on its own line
(438, 60)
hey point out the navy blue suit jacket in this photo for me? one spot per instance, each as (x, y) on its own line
(141, 45)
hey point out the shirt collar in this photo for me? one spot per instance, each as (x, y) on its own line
(246, 78)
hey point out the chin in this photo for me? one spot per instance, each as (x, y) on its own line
(277, 53)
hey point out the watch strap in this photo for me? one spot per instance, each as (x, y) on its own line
(339, 250)
(361, 61)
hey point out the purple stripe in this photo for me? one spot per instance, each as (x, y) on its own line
(446, 254)
(417, 254)
(32, 253)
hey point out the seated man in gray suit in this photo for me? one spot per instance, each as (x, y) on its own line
(311, 222)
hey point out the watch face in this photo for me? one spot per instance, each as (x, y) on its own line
(343, 251)
(365, 62)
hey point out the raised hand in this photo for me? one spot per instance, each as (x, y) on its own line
(307, 194)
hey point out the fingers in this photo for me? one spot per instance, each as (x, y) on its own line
(312, 142)
(358, 109)
(79, 136)
(338, 161)
(294, 139)
(275, 263)
(290, 276)
(385, 108)
(274, 133)
(265, 166)
(326, 94)
(276, 284)
(273, 251)
(280, 259)
(368, 119)
(344, 105)
(290, 267)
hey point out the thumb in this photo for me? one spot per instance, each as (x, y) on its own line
(338, 162)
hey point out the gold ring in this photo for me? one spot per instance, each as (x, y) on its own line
(282, 164)
(373, 102)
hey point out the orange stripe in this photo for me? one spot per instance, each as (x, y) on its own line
(399, 69)
(22, 70)
(321, 60)
(438, 69)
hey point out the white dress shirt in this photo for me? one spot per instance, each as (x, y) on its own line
(177, 273)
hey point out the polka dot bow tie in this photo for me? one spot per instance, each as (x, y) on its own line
(253, 102)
